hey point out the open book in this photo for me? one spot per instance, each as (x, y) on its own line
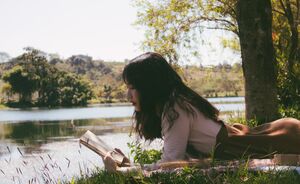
(94, 143)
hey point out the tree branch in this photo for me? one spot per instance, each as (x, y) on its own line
(298, 11)
(225, 2)
(282, 6)
(279, 12)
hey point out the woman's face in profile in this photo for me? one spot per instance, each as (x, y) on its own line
(133, 97)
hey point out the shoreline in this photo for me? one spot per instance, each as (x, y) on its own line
(111, 104)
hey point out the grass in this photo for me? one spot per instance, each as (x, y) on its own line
(290, 112)
(3, 106)
(192, 175)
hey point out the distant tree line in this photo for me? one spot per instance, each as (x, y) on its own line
(32, 74)
(216, 81)
(38, 78)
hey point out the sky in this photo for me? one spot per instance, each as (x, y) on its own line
(102, 29)
(99, 28)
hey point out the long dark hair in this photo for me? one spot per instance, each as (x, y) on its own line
(159, 88)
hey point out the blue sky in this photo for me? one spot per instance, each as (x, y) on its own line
(99, 28)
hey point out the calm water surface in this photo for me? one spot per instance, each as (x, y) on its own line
(43, 151)
(100, 111)
(41, 145)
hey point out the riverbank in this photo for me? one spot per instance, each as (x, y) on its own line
(3, 107)
(93, 103)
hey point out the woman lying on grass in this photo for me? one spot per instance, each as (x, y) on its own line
(189, 125)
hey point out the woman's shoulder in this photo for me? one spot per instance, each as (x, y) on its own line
(179, 111)
(177, 107)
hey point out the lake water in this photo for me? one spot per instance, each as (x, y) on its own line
(41, 145)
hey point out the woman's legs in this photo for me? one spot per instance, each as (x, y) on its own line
(280, 136)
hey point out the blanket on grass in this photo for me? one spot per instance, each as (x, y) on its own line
(280, 162)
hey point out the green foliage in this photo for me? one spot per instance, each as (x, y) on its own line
(288, 89)
(286, 33)
(290, 111)
(102, 176)
(194, 176)
(186, 175)
(221, 80)
(242, 120)
(143, 156)
(21, 81)
(172, 26)
(285, 112)
(3, 106)
(261, 177)
(33, 74)
(231, 43)
(73, 90)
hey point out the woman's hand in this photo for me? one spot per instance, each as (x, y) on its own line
(126, 161)
(109, 163)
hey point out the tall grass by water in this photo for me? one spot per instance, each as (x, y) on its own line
(48, 170)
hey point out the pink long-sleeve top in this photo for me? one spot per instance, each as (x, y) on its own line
(188, 129)
(193, 129)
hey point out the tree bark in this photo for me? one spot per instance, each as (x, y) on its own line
(254, 19)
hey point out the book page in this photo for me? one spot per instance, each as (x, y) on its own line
(94, 143)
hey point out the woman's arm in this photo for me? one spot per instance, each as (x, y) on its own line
(176, 137)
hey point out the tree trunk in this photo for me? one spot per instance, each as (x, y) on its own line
(254, 19)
